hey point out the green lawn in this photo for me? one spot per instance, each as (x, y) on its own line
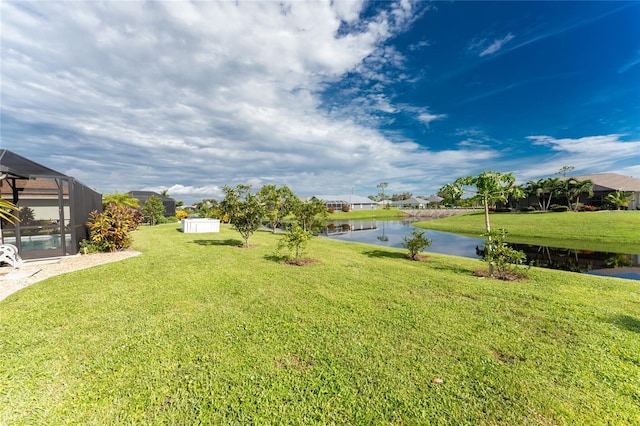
(199, 331)
(599, 231)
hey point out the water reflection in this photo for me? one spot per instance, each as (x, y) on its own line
(391, 233)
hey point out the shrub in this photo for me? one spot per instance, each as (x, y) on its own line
(588, 208)
(331, 209)
(181, 214)
(527, 209)
(558, 209)
(109, 230)
(504, 259)
(345, 208)
(415, 243)
(88, 247)
(502, 210)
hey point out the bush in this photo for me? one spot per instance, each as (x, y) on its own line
(504, 259)
(415, 243)
(527, 209)
(345, 208)
(181, 214)
(502, 210)
(88, 247)
(556, 208)
(588, 208)
(331, 209)
(109, 230)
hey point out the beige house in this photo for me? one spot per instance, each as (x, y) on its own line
(606, 183)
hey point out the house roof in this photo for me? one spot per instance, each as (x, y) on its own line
(611, 182)
(408, 201)
(347, 199)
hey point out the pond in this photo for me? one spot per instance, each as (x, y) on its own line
(391, 233)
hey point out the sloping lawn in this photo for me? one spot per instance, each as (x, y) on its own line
(197, 330)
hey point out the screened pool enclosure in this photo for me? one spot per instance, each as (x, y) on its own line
(53, 208)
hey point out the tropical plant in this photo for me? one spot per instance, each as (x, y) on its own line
(451, 194)
(573, 188)
(490, 187)
(415, 243)
(618, 199)
(109, 230)
(505, 259)
(244, 209)
(27, 216)
(181, 214)
(153, 209)
(5, 211)
(120, 199)
(278, 203)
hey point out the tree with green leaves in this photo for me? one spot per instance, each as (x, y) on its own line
(295, 240)
(573, 188)
(154, 209)
(278, 203)
(244, 210)
(311, 215)
(490, 187)
(618, 199)
(120, 199)
(451, 194)
(415, 243)
(381, 196)
(544, 190)
(564, 169)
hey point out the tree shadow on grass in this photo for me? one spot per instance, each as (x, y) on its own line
(627, 322)
(389, 254)
(227, 242)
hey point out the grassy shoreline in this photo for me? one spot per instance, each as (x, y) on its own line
(199, 330)
(597, 231)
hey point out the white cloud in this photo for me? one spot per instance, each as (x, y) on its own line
(486, 47)
(427, 117)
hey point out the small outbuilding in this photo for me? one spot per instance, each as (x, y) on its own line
(53, 208)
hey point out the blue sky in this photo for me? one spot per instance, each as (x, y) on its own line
(324, 97)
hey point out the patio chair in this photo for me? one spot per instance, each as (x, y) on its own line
(9, 254)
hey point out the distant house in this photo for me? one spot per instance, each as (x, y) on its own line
(143, 196)
(411, 203)
(355, 202)
(606, 183)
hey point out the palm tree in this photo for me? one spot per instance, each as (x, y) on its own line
(574, 188)
(5, 211)
(120, 199)
(619, 199)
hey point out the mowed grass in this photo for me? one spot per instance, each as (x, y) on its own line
(199, 331)
(600, 231)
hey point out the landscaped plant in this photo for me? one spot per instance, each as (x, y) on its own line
(154, 209)
(415, 243)
(346, 208)
(181, 214)
(244, 209)
(27, 216)
(295, 240)
(618, 199)
(109, 230)
(121, 199)
(505, 260)
(559, 209)
(311, 215)
(5, 211)
(278, 203)
(573, 188)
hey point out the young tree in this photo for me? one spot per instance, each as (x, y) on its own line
(295, 240)
(311, 215)
(415, 243)
(244, 209)
(278, 202)
(154, 209)
(490, 187)
(382, 186)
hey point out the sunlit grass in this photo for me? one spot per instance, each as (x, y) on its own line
(197, 330)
